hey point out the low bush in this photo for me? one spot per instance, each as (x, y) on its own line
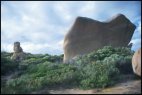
(7, 65)
(41, 75)
(98, 69)
(122, 63)
(98, 75)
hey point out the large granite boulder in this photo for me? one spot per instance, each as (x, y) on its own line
(87, 35)
(18, 54)
(136, 62)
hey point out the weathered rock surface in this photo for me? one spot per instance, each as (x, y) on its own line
(18, 52)
(87, 35)
(136, 62)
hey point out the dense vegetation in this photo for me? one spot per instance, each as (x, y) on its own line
(99, 69)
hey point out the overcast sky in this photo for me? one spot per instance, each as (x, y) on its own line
(40, 26)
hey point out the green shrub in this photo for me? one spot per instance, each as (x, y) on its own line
(123, 51)
(41, 75)
(7, 65)
(98, 75)
(107, 51)
(32, 61)
(6, 54)
(53, 58)
(99, 69)
(122, 63)
(101, 53)
(121, 57)
(50, 74)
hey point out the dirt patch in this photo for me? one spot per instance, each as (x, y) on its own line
(129, 87)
